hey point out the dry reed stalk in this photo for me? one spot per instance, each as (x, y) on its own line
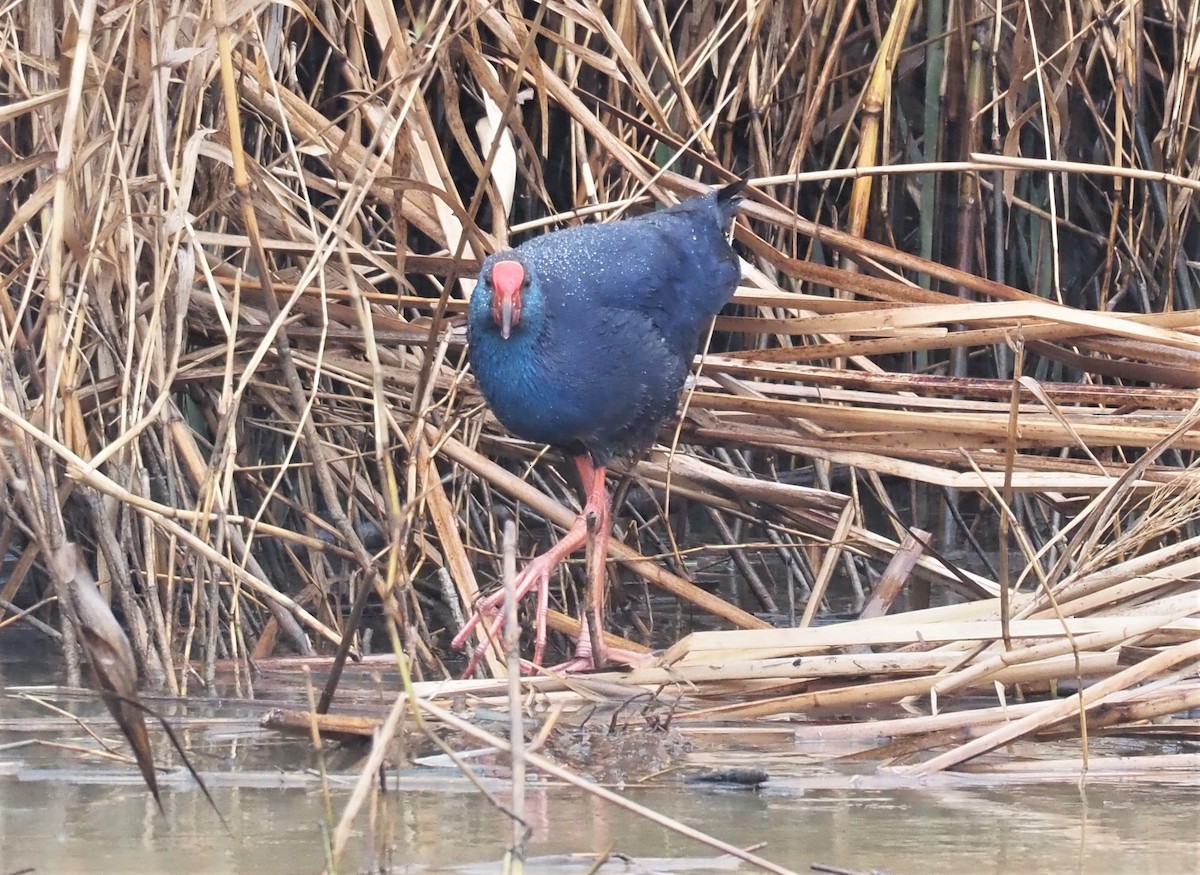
(1053, 711)
(775, 643)
(1095, 767)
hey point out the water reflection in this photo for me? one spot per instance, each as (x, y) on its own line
(73, 826)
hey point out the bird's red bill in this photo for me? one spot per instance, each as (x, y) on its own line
(507, 279)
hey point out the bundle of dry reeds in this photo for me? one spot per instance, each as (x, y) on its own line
(236, 237)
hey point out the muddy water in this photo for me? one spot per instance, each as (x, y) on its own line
(66, 812)
(59, 822)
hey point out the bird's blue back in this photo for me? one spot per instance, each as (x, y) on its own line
(674, 266)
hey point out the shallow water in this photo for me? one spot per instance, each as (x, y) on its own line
(66, 812)
(64, 824)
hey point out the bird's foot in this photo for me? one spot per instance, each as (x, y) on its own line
(492, 612)
(585, 660)
(613, 656)
(595, 522)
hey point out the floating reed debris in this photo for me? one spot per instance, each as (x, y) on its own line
(238, 242)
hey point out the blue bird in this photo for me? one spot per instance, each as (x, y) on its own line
(582, 339)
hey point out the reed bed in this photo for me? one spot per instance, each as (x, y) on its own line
(957, 383)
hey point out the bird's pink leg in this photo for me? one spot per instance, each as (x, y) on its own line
(598, 527)
(536, 575)
(584, 659)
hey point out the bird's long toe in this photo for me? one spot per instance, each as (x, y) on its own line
(585, 660)
(491, 613)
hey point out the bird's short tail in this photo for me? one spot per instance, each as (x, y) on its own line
(729, 198)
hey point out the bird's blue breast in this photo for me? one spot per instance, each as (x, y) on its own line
(527, 400)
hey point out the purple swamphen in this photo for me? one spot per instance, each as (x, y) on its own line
(582, 339)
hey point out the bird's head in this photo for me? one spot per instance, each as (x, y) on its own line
(508, 281)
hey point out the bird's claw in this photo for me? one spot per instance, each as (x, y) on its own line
(492, 613)
(585, 660)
